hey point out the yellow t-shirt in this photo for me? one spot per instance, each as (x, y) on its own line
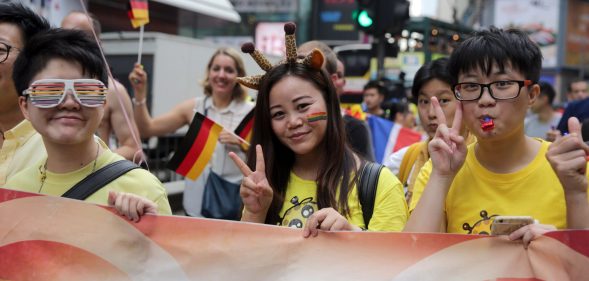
(22, 147)
(390, 209)
(477, 194)
(136, 181)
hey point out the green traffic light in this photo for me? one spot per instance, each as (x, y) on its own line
(364, 20)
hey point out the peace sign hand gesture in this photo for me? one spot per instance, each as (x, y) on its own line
(255, 190)
(447, 149)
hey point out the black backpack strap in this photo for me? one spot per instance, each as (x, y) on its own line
(95, 181)
(367, 189)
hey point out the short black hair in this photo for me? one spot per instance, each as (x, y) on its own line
(392, 108)
(497, 46)
(376, 84)
(28, 21)
(570, 85)
(70, 45)
(436, 69)
(547, 90)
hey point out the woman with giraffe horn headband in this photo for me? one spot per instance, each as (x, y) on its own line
(300, 170)
(224, 101)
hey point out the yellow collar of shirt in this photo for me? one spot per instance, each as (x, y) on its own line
(24, 130)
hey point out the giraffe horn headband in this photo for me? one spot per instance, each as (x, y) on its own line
(314, 59)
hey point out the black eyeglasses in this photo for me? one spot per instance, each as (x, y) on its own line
(499, 90)
(5, 51)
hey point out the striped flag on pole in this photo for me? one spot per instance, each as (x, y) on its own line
(138, 12)
(196, 148)
(244, 129)
(388, 137)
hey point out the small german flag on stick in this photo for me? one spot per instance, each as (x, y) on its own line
(138, 12)
(244, 129)
(196, 148)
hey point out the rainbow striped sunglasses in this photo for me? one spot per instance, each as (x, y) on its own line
(48, 93)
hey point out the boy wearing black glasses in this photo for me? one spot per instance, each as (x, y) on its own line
(505, 173)
(62, 81)
(20, 145)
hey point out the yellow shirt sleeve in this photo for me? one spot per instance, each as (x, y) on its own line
(390, 209)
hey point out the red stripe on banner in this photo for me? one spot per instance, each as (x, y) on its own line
(110, 251)
(196, 149)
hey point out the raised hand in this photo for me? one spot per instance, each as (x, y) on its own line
(130, 205)
(447, 149)
(326, 219)
(255, 190)
(138, 79)
(568, 157)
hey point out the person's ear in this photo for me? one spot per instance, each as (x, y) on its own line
(24, 106)
(333, 78)
(533, 94)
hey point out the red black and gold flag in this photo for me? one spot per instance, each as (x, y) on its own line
(244, 129)
(196, 148)
(138, 12)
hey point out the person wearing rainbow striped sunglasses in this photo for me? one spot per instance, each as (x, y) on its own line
(62, 83)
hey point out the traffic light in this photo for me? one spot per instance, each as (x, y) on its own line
(378, 17)
(366, 15)
(393, 16)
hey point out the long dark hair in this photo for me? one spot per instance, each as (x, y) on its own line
(279, 158)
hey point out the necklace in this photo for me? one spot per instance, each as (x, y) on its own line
(43, 169)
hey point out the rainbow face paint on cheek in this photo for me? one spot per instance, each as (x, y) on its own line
(487, 124)
(314, 117)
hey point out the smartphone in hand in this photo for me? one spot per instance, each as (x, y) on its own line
(505, 225)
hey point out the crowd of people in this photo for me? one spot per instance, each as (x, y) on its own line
(493, 143)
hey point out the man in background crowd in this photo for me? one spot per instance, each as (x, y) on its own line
(544, 119)
(114, 120)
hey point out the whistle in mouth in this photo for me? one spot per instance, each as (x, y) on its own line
(487, 124)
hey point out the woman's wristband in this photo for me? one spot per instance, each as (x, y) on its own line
(139, 103)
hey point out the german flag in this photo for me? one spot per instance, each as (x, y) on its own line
(138, 12)
(244, 129)
(197, 147)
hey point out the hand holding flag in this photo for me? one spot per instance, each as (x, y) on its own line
(196, 148)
